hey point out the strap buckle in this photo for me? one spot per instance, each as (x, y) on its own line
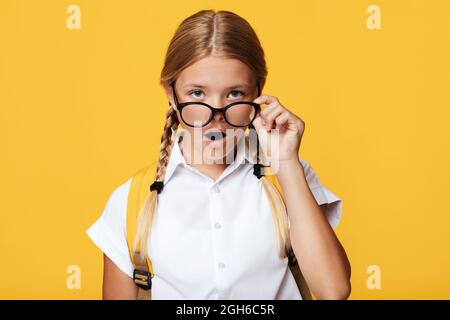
(142, 279)
(258, 170)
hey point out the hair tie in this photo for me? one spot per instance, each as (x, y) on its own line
(157, 185)
(258, 170)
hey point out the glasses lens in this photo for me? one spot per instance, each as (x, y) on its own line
(240, 115)
(196, 114)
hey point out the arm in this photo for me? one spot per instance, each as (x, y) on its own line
(321, 257)
(116, 284)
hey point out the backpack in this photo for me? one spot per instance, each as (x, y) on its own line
(143, 269)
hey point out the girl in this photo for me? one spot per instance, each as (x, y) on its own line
(213, 236)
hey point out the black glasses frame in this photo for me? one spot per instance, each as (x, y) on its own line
(223, 110)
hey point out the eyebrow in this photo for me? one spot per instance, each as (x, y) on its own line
(191, 85)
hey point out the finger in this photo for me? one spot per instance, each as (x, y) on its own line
(259, 128)
(271, 116)
(265, 99)
(266, 111)
(259, 120)
(257, 123)
(269, 108)
(281, 120)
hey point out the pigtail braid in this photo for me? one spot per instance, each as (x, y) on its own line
(148, 210)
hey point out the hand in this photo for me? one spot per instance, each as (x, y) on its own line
(290, 129)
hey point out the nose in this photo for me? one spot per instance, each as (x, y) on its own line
(219, 116)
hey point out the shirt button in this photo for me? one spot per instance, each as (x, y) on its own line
(221, 265)
(217, 225)
(216, 188)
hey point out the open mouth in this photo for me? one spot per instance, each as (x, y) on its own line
(215, 135)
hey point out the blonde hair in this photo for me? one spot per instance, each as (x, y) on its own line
(224, 34)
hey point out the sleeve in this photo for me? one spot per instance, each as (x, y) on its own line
(323, 195)
(109, 231)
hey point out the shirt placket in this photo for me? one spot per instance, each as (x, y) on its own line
(220, 265)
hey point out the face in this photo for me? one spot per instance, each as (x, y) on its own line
(218, 82)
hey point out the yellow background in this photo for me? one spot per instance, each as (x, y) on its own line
(81, 110)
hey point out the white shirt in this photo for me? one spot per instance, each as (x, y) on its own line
(211, 239)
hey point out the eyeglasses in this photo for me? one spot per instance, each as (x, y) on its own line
(200, 114)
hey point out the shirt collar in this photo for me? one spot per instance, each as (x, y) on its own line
(176, 158)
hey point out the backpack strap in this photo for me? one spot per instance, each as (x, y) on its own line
(143, 269)
(259, 171)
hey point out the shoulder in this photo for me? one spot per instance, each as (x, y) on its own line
(121, 191)
(113, 217)
(119, 196)
(109, 230)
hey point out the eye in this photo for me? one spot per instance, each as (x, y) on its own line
(196, 94)
(237, 94)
